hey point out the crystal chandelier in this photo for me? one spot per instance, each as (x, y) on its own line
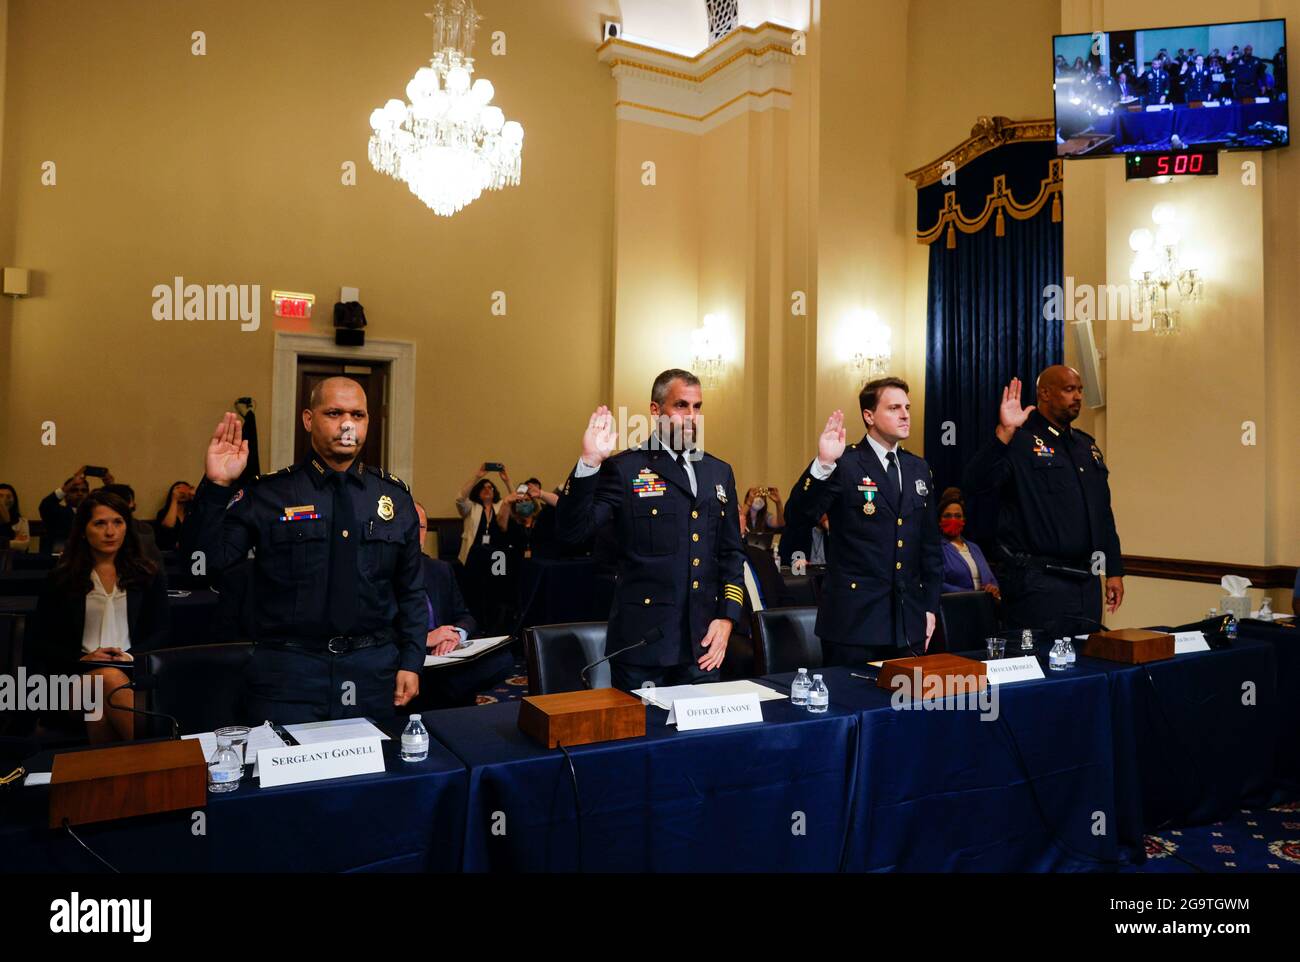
(448, 145)
(1157, 267)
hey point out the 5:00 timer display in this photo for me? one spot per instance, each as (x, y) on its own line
(1170, 163)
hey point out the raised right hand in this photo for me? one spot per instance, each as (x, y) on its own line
(1010, 414)
(830, 446)
(227, 452)
(600, 438)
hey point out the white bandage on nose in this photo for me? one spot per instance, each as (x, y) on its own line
(348, 434)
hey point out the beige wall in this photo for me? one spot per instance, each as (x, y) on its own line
(1176, 405)
(226, 169)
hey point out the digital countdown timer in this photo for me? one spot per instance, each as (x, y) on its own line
(1175, 163)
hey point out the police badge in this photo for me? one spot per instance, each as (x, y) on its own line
(385, 507)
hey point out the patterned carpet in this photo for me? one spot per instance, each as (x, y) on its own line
(513, 688)
(1255, 840)
(1258, 840)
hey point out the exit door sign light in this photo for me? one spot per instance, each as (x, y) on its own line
(292, 304)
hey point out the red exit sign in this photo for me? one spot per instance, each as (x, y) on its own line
(291, 304)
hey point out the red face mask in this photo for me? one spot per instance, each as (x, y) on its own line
(952, 526)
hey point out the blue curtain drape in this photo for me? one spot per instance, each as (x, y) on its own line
(985, 308)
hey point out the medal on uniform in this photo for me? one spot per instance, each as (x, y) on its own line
(385, 507)
(722, 495)
(921, 488)
(868, 489)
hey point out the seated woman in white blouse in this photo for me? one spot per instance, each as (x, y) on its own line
(103, 601)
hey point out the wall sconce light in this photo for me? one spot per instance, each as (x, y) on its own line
(1157, 267)
(709, 350)
(17, 281)
(866, 345)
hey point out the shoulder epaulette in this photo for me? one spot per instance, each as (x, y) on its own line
(276, 474)
(390, 478)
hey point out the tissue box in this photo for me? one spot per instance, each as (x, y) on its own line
(1239, 608)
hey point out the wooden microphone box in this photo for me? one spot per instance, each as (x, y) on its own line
(1132, 646)
(111, 783)
(949, 674)
(582, 717)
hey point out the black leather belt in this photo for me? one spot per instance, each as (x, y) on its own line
(338, 645)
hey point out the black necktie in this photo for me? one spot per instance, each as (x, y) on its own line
(343, 559)
(895, 480)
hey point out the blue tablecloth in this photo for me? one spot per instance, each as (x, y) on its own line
(943, 790)
(770, 797)
(408, 819)
(1152, 130)
(1189, 747)
(1285, 639)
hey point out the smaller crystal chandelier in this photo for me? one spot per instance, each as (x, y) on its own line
(448, 145)
(1156, 268)
(709, 350)
(867, 343)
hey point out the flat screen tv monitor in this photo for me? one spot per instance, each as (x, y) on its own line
(1218, 86)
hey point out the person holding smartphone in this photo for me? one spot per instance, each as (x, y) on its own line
(58, 508)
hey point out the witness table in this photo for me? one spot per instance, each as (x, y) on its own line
(945, 791)
(408, 819)
(773, 797)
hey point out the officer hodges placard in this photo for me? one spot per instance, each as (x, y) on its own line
(312, 763)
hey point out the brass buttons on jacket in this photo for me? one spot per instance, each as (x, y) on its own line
(853, 585)
(647, 601)
(695, 585)
(900, 544)
(695, 514)
(654, 510)
(695, 563)
(898, 565)
(900, 522)
(695, 537)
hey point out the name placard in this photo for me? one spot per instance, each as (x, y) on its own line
(1188, 641)
(718, 711)
(1001, 671)
(294, 764)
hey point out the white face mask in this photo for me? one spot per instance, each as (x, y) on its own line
(759, 504)
(348, 434)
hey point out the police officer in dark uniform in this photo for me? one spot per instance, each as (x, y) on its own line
(1055, 530)
(674, 517)
(881, 594)
(1157, 83)
(340, 612)
(1248, 75)
(1198, 83)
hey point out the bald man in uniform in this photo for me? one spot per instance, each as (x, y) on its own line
(1056, 532)
(340, 613)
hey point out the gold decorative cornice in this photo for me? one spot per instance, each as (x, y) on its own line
(765, 27)
(989, 133)
(702, 117)
(700, 77)
(951, 217)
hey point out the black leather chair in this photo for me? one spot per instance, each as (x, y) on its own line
(556, 655)
(786, 641)
(966, 618)
(201, 686)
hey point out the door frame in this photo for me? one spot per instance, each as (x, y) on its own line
(400, 355)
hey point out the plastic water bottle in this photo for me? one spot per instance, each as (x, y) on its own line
(415, 741)
(1070, 656)
(1214, 613)
(1056, 660)
(1266, 609)
(799, 689)
(224, 769)
(1231, 629)
(819, 697)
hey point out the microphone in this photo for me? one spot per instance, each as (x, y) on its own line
(144, 684)
(651, 636)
